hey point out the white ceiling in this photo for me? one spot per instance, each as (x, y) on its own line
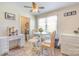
(49, 6)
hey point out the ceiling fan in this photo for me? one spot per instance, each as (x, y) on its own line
(34, 7)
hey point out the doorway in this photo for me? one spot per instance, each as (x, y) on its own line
(25, 21)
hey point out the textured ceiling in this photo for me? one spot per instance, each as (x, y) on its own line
(49, 6)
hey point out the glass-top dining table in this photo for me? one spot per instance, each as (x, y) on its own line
(40, 36)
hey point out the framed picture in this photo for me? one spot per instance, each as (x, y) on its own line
(69, 13)
(9, 16)
(65, 14)
(73, 12)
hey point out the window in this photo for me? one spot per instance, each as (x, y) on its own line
(48, 23)
(52, 23)
(41, 23)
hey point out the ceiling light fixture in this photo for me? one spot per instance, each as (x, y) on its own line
(35, 7)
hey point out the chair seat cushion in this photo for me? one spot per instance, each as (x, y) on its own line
(47, 41)
(45, 45)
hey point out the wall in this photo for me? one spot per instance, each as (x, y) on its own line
(65, 24)
(70, 23)
(12, 8)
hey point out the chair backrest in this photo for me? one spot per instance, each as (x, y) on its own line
(52, 44)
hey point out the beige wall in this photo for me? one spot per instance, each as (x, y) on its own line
(70, 23)
(12, 8)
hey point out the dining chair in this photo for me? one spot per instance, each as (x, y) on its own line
(35, 46)
(49, 44)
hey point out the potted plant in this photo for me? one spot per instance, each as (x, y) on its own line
(41, 30)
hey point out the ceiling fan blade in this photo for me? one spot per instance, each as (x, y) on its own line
(30, 10)
(27, 7)
(41, 7)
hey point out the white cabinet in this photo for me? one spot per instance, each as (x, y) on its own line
(4, 45)
(21, 40)
(5, 42)
(70, 44)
